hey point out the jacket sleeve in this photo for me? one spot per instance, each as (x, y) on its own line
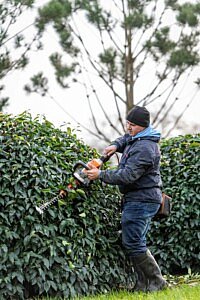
(136, 165)
(121, 143)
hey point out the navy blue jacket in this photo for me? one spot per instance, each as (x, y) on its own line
(138, 173)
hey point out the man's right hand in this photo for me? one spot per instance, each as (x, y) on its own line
(110, 150)
(62, 193)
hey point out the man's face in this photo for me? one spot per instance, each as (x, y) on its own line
(133, 129)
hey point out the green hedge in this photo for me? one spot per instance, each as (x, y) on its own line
(176, 241)
(69, 250)
(74, 248)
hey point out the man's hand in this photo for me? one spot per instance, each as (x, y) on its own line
(110, 150)
(93, 173)
(62, 193)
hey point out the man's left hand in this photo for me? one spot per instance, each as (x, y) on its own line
(93, 173)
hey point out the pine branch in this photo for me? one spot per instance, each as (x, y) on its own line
(16, 62)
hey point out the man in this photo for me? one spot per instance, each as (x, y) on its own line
(138, 178)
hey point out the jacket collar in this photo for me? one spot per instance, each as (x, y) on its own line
(148, 133)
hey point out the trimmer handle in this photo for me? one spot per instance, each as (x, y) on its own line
(80, 163)
(79, 173)
(105, 158)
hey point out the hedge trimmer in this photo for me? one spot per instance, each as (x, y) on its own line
(81, 179)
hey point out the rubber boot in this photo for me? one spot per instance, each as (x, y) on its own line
(149, 277)
(141, 281)
(152, 272)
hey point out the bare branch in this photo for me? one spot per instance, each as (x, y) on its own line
(69, 115)
(175, 100)
(99, 102)
(92, 62)
(16, 34)
(175, 82)
(95, 123)
(118, 109)
(164, 75)
(181, 114)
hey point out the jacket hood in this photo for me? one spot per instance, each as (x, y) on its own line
(148, 133)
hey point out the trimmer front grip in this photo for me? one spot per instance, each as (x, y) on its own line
(80, 163)
(79, 174)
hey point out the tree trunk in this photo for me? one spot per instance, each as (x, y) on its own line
(129, 81)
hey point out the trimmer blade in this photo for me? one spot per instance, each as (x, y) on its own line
(39, 210)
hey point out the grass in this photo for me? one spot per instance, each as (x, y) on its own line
(184, 292)
(178, 293)
(185, 287)
(181, 292)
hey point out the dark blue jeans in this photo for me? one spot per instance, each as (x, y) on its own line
(136, 218)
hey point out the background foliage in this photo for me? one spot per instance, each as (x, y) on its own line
(75, 248)
(175, 241)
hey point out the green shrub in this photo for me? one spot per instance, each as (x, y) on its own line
(175, 241)
(69, 250)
